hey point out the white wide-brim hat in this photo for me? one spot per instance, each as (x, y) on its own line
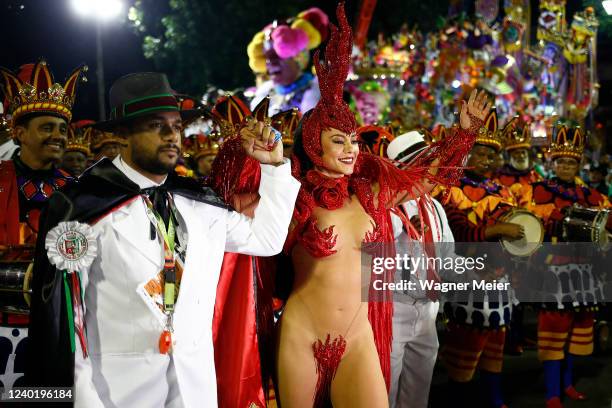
(406, 146)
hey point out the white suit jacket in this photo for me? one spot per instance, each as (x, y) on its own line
(124, 367)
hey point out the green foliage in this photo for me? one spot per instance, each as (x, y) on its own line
(204, 42)
(199, 42)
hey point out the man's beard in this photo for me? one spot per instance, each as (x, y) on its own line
(521, 165)
(153, 164)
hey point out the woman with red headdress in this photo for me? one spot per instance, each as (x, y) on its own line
(343, 202)
(333, 346)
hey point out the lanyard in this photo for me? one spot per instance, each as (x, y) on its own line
(168, 238)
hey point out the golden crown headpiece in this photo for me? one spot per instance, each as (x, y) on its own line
(78, 141)
(203, 146)
(437, 134)
(39, 93)
(229, 113)
(566, 141)
(287, 122)
(516, 134)
(99, 138)
(489, 134)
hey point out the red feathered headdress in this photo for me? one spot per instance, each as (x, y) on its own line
(331, 111)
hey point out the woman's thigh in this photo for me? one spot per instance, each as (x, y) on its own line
(295, 367)
(359, 381)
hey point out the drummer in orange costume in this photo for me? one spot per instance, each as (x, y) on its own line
(560, 328)
(477, 329)
(518, 173)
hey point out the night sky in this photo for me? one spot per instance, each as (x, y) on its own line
(32, 29)
(50, 29)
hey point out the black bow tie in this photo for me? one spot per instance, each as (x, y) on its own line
(159, 199)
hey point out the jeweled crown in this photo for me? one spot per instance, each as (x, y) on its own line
(489, 134)
(566, 140)
(78, 140)
(516, 134)
(38, 93)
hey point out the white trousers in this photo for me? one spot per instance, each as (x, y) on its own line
(174, 398)
(413, 354)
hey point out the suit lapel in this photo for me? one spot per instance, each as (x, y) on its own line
(132, 224)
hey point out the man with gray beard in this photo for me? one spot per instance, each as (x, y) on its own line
(518, 173)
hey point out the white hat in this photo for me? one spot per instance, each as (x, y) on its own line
(406, 146)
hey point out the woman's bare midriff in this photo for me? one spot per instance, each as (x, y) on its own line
(330, 287)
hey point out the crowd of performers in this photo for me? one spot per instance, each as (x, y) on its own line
(257, 215)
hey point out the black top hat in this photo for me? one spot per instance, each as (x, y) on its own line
(140, 94)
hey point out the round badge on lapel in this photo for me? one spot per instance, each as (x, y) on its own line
(72, 246)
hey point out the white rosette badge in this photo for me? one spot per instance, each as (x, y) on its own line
(72, 246)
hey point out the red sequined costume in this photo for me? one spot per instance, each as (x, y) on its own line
(376, 183)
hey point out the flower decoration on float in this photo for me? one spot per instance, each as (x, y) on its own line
(387, 58)
(292, 38)
(552, 23)
(584, 27)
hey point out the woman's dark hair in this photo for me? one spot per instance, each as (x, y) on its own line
(298, 147)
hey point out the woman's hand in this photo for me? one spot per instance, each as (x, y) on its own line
(259, 142)
(478, 106)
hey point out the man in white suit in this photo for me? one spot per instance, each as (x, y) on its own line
(131, 342)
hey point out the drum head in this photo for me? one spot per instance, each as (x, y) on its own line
(534, 233)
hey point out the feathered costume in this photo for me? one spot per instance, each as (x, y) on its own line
(377, 183)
